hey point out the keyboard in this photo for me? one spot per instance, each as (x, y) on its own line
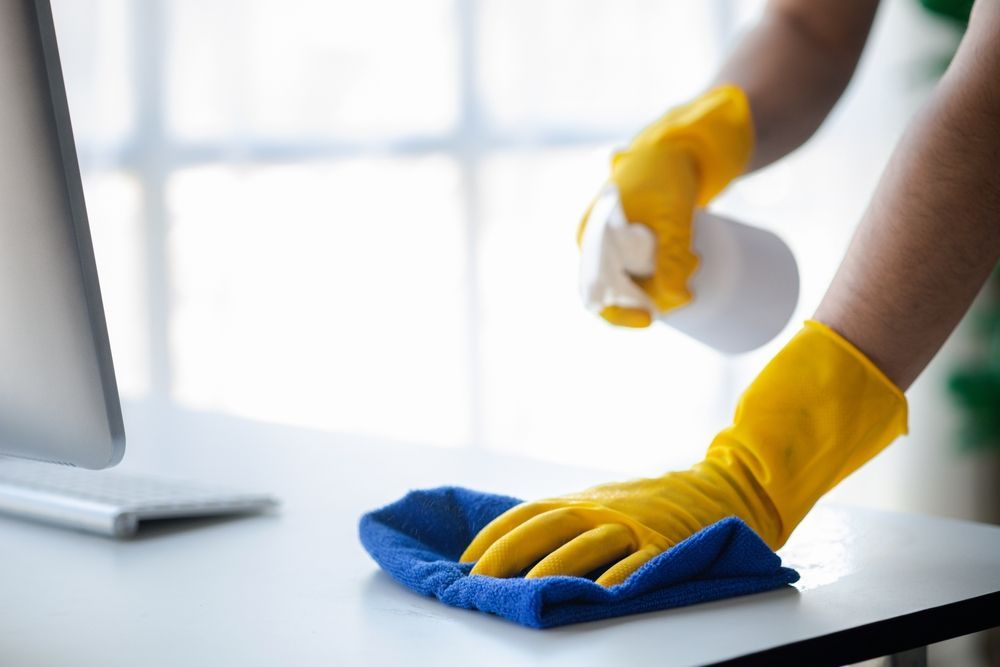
(112, 503)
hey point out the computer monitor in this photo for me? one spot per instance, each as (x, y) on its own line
(58, 395)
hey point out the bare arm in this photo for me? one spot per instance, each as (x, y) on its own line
(931, 234)
(794, 65)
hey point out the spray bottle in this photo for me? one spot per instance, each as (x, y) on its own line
(744, 290)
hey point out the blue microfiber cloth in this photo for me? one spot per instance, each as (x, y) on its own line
(419, 539)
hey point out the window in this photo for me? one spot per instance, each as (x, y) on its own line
(359, 216)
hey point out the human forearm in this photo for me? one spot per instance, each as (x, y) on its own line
(931, 235)
(794, 65)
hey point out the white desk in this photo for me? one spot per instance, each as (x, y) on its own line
(296, 588)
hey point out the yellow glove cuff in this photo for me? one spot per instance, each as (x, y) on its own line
(817, 412)
(717, 129)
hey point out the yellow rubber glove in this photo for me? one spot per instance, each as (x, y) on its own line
(817, 412)
(679, 162)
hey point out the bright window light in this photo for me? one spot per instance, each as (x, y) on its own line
(360, 216)
(303, 294)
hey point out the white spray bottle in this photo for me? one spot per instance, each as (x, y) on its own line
(744, 290)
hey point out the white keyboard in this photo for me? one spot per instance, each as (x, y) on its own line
(112, 503)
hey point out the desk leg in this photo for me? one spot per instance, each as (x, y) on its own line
(915, 657)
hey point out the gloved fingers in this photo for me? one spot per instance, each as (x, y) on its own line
(624, 568)
(668, 286)
(635, 318)
(532, 541)
(502, 525)
(658, 189)
(587, 552)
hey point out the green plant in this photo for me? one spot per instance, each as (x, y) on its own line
(976, 385)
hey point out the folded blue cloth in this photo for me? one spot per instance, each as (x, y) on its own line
(419, 539)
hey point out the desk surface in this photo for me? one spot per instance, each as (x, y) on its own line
(296, 588)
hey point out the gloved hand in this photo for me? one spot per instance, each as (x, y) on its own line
(679, 162)
(817, 412)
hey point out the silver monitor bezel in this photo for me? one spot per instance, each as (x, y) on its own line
(87, 453)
